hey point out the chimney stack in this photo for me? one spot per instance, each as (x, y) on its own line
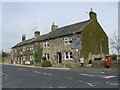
(54, 27)
(92, 15)
(23, 37)
(36, 34)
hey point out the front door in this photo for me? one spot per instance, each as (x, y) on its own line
(59, 57)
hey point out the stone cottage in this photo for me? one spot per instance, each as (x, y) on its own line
(65, 45)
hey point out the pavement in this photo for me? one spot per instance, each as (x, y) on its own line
(37, 66)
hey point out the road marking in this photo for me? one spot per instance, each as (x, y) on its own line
(42, 73)
(61, 87)
(80, 80)
(48, 87)
(115, 84)
(87, 75)
(89, 84)
(107, 82)
(107, 77)
(102, 72)
(69, 77)
(21, 69)
(100, 76)
(47, 73)
(37, 72)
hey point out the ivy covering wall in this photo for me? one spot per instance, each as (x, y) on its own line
(92, 35)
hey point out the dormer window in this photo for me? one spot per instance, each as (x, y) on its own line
(46, 44)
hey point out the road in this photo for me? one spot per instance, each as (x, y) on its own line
(27, 77)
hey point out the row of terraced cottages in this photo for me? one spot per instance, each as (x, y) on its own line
(65, 45)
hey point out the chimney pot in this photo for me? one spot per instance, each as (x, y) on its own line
(23, 37)
(54, 27)
(36, 34)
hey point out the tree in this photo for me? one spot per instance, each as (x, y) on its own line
(115, 43)
(38, 55)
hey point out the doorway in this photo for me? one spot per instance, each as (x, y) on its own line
(59, 57)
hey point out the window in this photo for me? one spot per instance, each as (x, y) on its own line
(31, 57)
(68, 55)
(24, 48)
(46, 44)
(15, 58)
(68, 40)
(47, 56)
(71, 55)
(24, 58)
(31, 47)
(15, 50)
(20, 52)
(27, 48)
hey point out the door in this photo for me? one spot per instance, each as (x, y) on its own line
(59, 57)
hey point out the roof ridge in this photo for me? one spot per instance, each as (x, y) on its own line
(74, 24)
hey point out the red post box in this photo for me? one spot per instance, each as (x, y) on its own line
(107, 64)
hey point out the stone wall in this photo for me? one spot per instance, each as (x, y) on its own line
(101, 63)
(58, 45)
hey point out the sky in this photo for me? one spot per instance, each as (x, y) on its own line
(20, 18)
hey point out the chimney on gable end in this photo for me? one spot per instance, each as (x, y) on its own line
(23, 37)
(92, 15)
(36, 34)
(54, 27)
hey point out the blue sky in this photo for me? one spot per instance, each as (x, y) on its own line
(22, 17)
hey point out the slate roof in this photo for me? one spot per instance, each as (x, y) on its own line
(63, 31)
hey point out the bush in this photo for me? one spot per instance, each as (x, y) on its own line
(46, 63)
(113, 57)
(90, 62)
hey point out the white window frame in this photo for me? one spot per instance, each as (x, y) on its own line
(15, 58)
(27, 48)
(24, 58)
(67, 40)
(31, 47)
(24, 48)
(47, 56)
(15, 50)
(31, 57)
(46, 45)
(69, 54)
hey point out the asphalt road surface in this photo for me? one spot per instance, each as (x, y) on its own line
(27, 77)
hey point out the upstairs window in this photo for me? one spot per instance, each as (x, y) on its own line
(24, 48)
(68, 56)
(68, 40)
(46, 44)
(31, 47)
(15, 50)
(27, 48)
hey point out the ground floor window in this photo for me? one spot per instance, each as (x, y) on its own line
(24, 58)
(47, 56)
(31, 57)
(68, 55)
